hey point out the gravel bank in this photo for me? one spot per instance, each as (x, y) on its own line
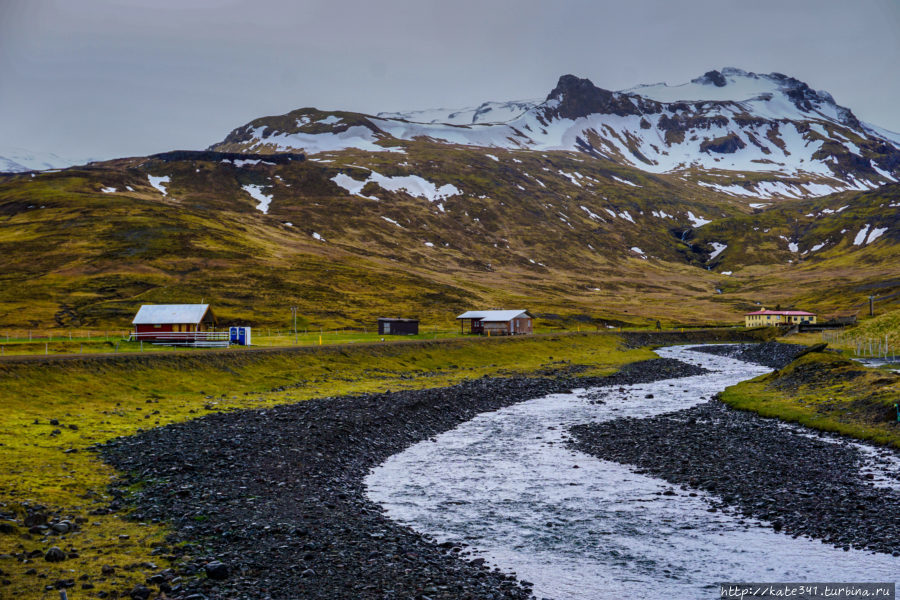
(638, 339)
(271, 503)
(801, 484)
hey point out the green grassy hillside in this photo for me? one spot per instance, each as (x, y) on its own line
(578, 242)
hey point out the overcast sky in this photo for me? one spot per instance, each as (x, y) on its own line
(106, 78)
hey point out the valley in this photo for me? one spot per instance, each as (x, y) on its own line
(442, 466)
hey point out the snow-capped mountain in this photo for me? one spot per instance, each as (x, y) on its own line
(487, 112)
(740, 133)
(19, 160)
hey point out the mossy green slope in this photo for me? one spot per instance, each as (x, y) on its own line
(828, 392)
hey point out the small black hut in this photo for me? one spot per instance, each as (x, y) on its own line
(387, 326)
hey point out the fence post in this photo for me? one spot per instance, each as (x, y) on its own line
(46, 347)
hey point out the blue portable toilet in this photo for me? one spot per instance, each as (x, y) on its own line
(239, 336)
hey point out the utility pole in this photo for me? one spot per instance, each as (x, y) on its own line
(872, 305)
(294, 310)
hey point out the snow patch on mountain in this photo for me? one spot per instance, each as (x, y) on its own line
(20, 160)
(488, 112)
(876, 233)
(718, 249)
(697, 221)
(263, 199)
(358, 137)
(592, 215)
(159, 183)
(411, 184)
(626, 182)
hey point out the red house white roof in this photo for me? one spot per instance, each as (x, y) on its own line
(784, 313)
(170, 314)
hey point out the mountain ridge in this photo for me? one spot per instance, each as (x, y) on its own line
(795, 140)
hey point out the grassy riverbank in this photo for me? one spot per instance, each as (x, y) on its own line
(828, 392)
(55, 410)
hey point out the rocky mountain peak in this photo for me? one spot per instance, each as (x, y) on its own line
(714, 77)
(579, 97)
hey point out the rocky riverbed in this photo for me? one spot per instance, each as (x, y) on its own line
(798, 482)
(271, 503)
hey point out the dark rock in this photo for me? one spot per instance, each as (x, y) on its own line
(36, 518)
(216, 570)
(55, 554)
(579, 97)
(713, 77)
(61, 527)
(139, 592)
(728, 144)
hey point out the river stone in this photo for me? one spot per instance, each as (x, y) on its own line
(216, 570)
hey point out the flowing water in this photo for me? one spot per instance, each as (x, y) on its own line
(506, 485)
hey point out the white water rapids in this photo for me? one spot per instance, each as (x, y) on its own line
(578, 528)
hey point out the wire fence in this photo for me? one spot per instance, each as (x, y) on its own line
(863, 346)
(62, 335)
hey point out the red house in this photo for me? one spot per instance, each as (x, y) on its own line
(177, 324)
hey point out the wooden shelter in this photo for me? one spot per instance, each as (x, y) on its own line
(396, 326)
(496, 322)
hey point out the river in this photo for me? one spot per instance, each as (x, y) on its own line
(506, 485)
